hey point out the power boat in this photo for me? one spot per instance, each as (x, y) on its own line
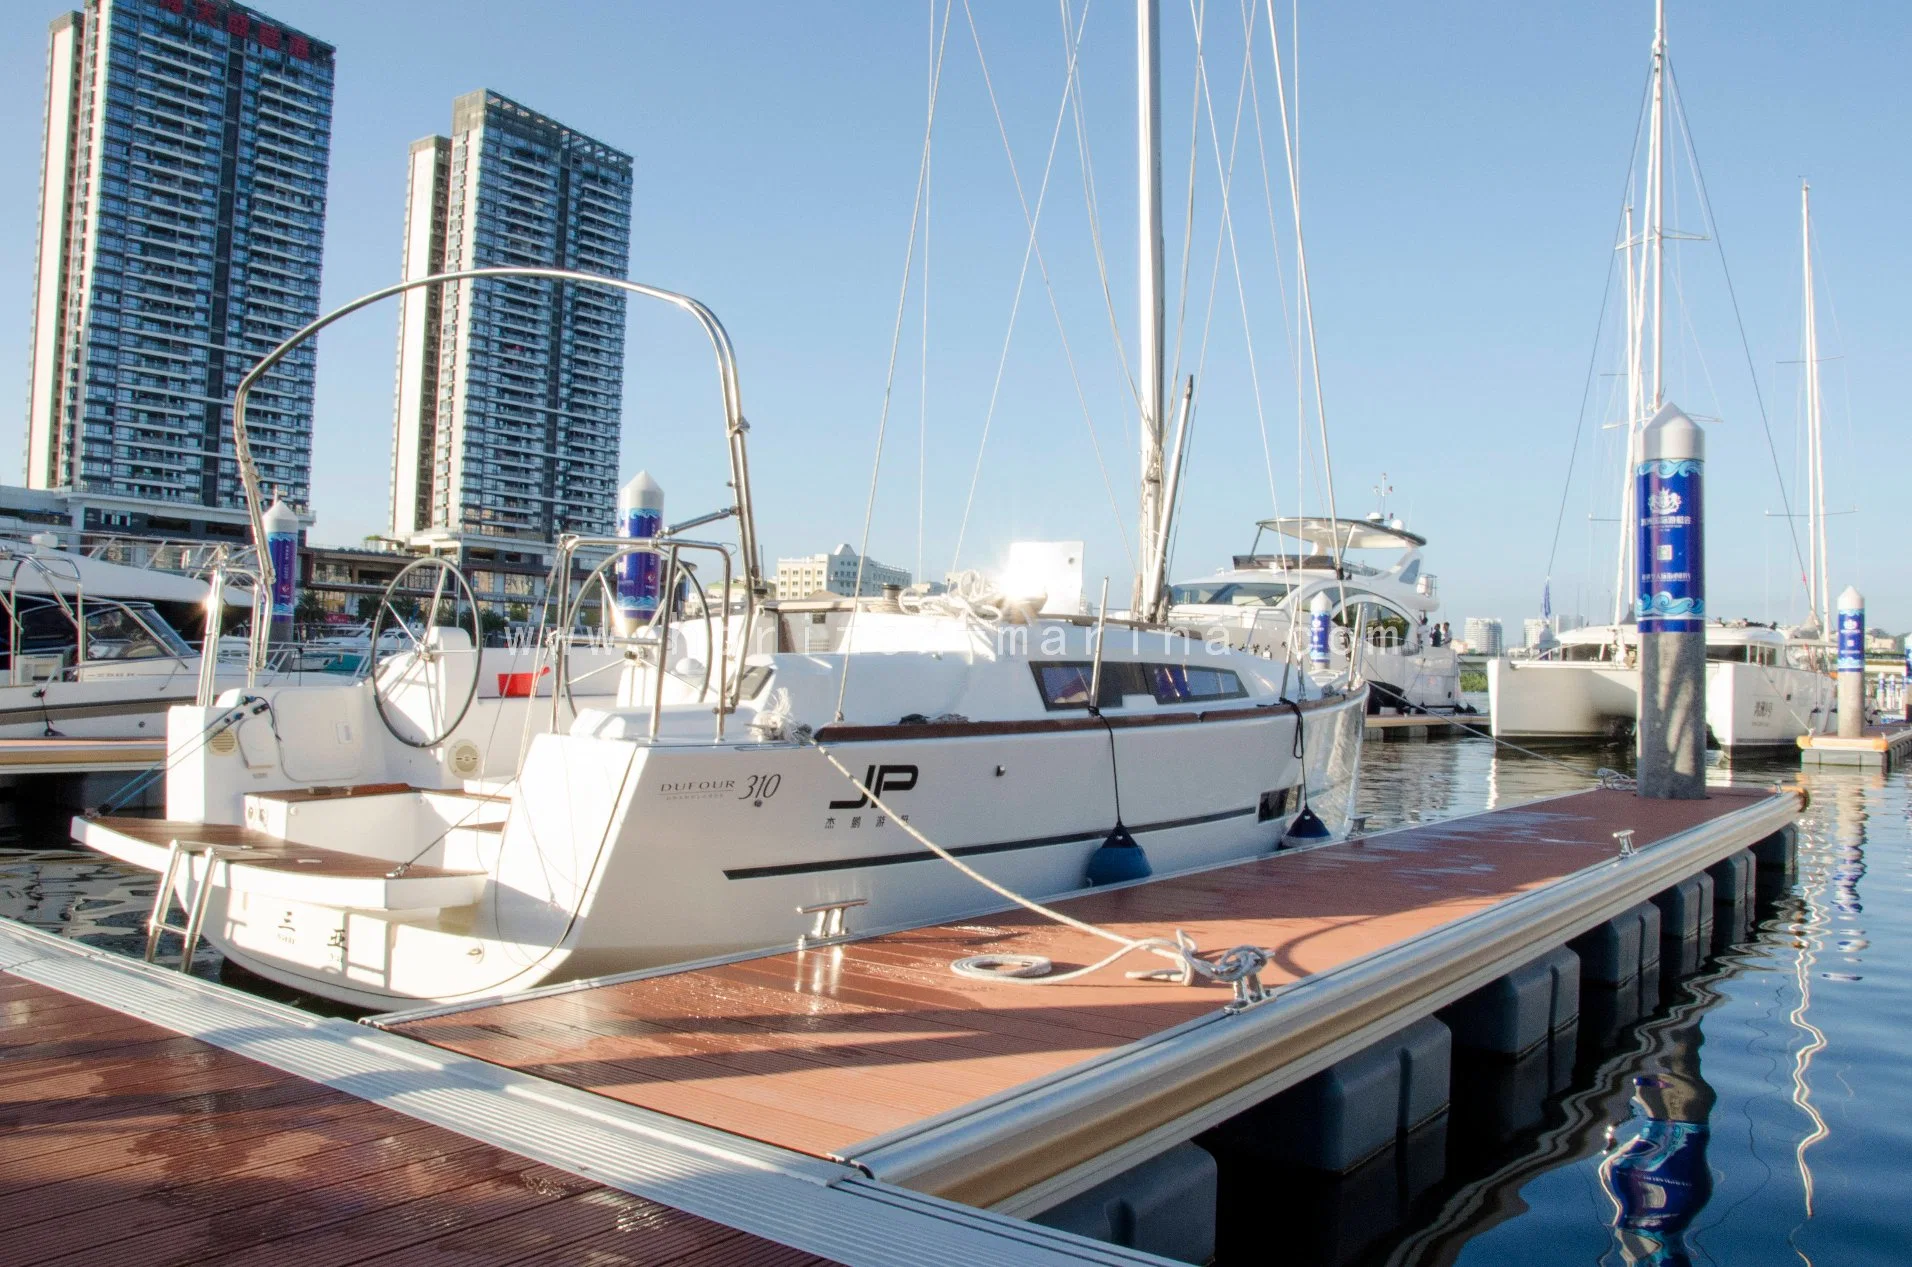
(463, 822)
(1381, 605)
(92, 650)
(1764, 687)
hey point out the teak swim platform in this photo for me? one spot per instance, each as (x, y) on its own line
(872, 1052)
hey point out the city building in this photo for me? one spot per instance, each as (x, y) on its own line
(182, 214)
(509, 391)
(1538, 634)
(834, 573)
(1484, 636)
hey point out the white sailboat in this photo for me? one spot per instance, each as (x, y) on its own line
(420, 835)
(1765, 687)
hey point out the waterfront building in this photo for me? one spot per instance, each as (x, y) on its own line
(1484, 636)
(1538, 634)
(509, 391)
(835, 573)
(182, 213)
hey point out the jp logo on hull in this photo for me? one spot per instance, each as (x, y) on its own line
(880, 779)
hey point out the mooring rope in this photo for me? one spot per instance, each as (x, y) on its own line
(1239, 966)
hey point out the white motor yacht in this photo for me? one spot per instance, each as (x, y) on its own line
(91, 649)
(1382, 602)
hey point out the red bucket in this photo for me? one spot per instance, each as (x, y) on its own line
(520, 685)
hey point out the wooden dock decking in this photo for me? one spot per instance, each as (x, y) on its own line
(151, 1117)
(123, 1141)
(860, 1051)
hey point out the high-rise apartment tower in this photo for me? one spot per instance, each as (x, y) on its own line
(510, 391)
(182, 212)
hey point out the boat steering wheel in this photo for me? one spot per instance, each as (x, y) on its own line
(422, 655)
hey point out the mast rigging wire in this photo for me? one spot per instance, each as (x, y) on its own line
(1228, 227)
(889, 379)
(1092, 206)
(1593, 356)
(1712, 226)
(1035, 250)
(1289, 147)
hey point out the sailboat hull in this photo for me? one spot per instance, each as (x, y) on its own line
(620, 855)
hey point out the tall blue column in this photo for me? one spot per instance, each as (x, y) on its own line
(1669, 509)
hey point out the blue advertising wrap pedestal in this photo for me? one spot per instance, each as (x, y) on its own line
(1851, 624)
(1670, 610)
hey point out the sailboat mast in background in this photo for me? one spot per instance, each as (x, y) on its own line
(1819, 584)
(1656, 211)
(1150, 537)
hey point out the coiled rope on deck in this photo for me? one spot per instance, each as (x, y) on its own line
(1239, 966)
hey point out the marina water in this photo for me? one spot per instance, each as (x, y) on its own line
(1791, 1041)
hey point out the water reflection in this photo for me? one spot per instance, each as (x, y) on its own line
(1791, 1144)
(1658, 1180)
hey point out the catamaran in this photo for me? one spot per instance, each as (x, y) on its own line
(1765, 686)
(702, 779)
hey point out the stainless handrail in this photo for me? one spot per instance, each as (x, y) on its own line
(667, 548)
(735, 427)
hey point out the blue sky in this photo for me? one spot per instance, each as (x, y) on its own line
(1462, 171)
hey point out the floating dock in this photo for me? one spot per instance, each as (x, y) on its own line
(859, 1102)
(1017, 1097)
(1413, 726)
(1880, 747)
(151, 1117)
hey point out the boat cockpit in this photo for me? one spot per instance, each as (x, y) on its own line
(48, 638)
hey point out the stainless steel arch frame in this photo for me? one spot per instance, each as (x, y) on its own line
(734, 425)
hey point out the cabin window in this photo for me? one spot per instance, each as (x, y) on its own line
(1066, 685)
(113, 634)
(1382, 626)
(1727, 655)
(44, 628)
(1230, 593)
(160, 629)
(1175, 683)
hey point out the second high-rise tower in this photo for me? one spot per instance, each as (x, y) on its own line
(510, 391)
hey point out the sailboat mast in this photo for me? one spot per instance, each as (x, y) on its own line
(1149, 275)
(1819, 583)
(1656, 203)
(1623, 582)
